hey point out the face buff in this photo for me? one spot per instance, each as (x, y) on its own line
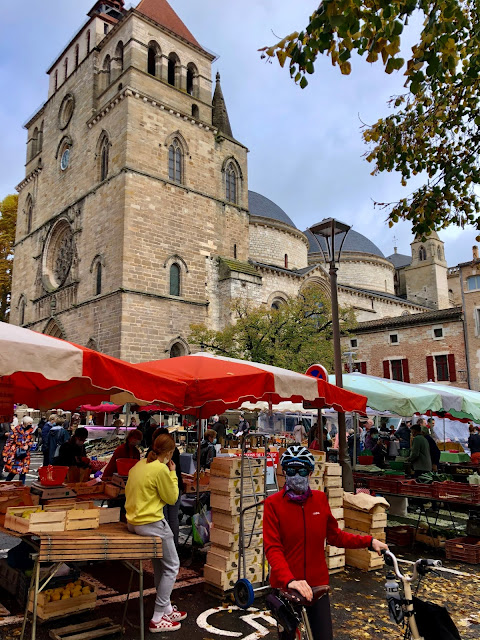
(297, 488)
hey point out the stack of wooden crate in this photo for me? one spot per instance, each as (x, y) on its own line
(365, 515)
(317, 477)
(221, 569)
(333, 488)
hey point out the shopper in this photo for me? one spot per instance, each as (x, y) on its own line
(170, 511)
(153, 483)
(73, 455)
(45, 431)
(129, 449)
(420, 452)
(16, 454)
(4, 431)
(299, 433)
(474, 445)
(207, 449)
(434, 450)
(296, 523)
(403, 434)
(56, 437)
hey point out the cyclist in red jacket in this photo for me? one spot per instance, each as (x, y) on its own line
(296, 523)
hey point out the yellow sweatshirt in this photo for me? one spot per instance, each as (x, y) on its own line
(149, 488)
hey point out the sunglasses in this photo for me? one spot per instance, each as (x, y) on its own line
(292, 471)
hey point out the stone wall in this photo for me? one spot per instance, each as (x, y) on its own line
(372, 307)
(472, 322)
(271, 241)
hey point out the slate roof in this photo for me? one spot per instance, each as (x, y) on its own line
(399, 260)
(354, 242)
(162, 13)
(296, 272)
(429, 317)
(382, 294)
(261, 206)
(239, 266)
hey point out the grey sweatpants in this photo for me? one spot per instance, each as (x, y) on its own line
(165, 568)
(170, 511)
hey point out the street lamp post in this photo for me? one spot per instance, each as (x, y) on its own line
(329, 229)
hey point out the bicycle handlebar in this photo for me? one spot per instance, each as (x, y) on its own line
(420, 562)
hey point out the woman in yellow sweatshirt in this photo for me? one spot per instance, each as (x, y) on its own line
(152, 483)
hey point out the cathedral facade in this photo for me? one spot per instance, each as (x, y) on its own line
(135, 218)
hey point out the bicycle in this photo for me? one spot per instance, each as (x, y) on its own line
(289, 608)
(421, 620)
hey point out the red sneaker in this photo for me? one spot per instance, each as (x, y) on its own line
(165, 624)
(177, 615)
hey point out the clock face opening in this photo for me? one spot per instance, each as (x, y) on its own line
(65, 160)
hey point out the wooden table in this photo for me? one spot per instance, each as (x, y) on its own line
(108, 542)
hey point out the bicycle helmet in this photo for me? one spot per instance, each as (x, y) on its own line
(297, 455)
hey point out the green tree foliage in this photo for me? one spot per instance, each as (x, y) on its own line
(434, 129)
(294, 336)
(8, 221)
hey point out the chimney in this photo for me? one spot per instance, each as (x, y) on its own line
(475, 252)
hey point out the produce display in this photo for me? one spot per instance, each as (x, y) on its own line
(71, 590)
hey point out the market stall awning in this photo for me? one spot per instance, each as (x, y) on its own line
(45, 372)
(401, 398)
(104, 407)
(460, 403)
(215, 383)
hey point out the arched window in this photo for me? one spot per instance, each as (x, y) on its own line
(21, 310)
(56, 79)
(29, 213)
(286, 261)
(34, 143)
(65, 68)
(173, 70)
(40, 139)
(231, 183)
(151, 61)
(119, 56)
(107, 70)
(235, 251)
(53, 329)
(177, 350)
(88, 42)
(195, 112)
(77, 54)
(154, 57)
(103, 157)
(175, 162)
(92, 344)
(98, 279)
(175, 280)
(192, 79)
(422, 253)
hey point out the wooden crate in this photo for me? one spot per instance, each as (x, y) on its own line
(333, 469)
(316, 484)
(86, 630)
(335, 562)
(232, 486)
(16, 497)
(113, 490)
(229, 504)
(38, 522)
(107, 515)
(337, 513)
(231, 522)
(363, 559)
(335, 503)
(378, 533)
(231, 467)
(230, 561)
(365, 521)
(320, 456)
(61, 608)
(333, 551)
(334, 492)
(8, 577)
(226, 580)
(332, 481)
(228, 540)
(82, 488)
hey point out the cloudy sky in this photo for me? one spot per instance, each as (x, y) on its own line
(305, 146)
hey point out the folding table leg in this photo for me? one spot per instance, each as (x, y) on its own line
(29, 594)
(35, 599)
(128, 597)
(140, 583)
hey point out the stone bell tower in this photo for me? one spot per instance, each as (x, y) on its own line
(426, 276)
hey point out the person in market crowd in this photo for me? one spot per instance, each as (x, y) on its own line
(45, 431)
(128, 449)
(75, 422)
(327, 441)
(133, 422)
(73, 454)
(434, 450)
(371, 438)
(221, 429)
(419, 456)
(299, 433)
(403, 434)
(243, 427)
(170, 511)
(296, 523)
(57, 435)
(380, 451)
(152, 484)
(431, 427)
(393, 444)
(4, 431)
(207, 449)
(474, 445)
(16, 454)
(350, 442)
(366, 426)
(40, 425)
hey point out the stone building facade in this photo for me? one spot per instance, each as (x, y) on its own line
(135, 217)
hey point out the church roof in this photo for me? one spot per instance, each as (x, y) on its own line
(261, 206)
(162, 13)
(428, 317)
(220, 118)
(399, 260)
(354, 242)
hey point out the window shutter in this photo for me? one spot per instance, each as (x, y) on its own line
(363, 367)
(405, 371)
(430, 370)
(452, 372)
(386, 368)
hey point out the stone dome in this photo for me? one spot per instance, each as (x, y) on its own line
(354, 243)
(261, 206)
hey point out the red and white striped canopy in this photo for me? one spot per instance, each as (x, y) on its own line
(215, 383)
(45, 372)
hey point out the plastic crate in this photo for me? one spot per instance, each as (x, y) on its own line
(387, 485)
(402, 536)
(397, 465)
(464, 549)
(457, 492)
(414, 488)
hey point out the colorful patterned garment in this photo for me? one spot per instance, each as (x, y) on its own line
(19, 438)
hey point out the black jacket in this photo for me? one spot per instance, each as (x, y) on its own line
(474, 443)
(434, 450)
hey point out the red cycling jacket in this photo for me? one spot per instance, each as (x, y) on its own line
(294, 536)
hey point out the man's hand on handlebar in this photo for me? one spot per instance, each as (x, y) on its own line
(379, 546)
(302, 587)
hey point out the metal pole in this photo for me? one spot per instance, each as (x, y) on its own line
(342, 432)
(142, 613)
